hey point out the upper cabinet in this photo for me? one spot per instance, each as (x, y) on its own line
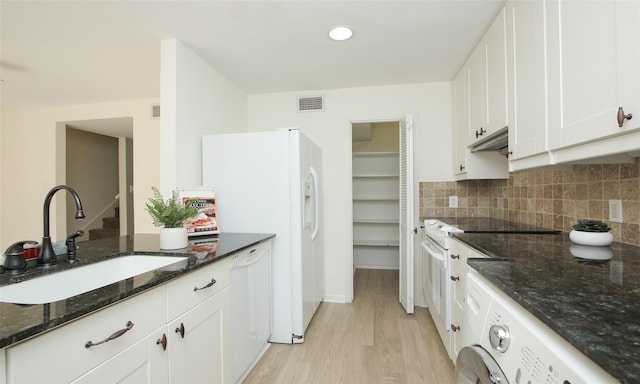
(527, 79)
(574, 81)
(471, 165)
(594, 68)
(487, 82)
(480, 106)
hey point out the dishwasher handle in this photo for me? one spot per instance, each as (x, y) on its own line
(436, 255)
(254, 256)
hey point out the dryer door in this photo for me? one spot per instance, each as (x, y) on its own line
(475, 365)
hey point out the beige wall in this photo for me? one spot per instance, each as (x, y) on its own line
(553, 199)
(30, 164)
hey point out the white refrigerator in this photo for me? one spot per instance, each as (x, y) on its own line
(269, 182)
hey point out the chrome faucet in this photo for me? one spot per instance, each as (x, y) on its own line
(47, 256)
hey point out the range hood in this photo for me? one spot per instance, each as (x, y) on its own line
(497, 141)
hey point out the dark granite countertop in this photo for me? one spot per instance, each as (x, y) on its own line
(594, 305)
(19, 321)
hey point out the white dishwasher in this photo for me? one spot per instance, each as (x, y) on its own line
(250, 308)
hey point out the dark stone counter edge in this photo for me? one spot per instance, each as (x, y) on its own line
(156, 277)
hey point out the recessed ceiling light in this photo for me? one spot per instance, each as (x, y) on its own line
(340, 33)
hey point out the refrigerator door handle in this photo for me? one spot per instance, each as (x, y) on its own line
(316, 203)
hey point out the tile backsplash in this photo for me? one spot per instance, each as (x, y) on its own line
(552, 199)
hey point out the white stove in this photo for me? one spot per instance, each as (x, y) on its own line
(436, 268)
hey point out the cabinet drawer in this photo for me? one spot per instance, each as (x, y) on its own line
(61, 355)
(182, 294)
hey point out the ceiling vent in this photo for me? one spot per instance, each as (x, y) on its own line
(155, 111)
(313, 103)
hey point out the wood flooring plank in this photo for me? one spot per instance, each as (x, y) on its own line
(371, 340)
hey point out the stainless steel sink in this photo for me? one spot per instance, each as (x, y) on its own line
(62, 285)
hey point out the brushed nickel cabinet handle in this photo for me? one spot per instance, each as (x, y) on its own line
(113, 336)
(622, 117)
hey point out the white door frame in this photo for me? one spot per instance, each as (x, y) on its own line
(349, 192)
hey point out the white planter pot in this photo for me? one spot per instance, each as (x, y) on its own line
(173, 238)
(598, 239)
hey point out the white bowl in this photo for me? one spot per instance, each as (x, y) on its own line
(598, 239)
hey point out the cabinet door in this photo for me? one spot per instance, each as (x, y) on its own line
(199, 343)
(144, 362)
(597, 65)
(487, 82)
(460, 122)
(145, 312)
(495, 112)
(477, 96)
(527, 78)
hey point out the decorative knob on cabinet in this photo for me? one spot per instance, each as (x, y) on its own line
(622, 117)
(462, 167)
(481, 132)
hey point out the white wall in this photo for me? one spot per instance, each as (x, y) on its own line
(28, 163)
(431, 107)
(195, 100)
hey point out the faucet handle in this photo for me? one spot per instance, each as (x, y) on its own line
(71, 245)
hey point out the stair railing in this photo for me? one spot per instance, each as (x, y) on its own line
(101, 214)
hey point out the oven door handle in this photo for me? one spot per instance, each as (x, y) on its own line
(436, 255)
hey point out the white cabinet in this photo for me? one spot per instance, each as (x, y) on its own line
(199, 342)
(527, 79)
(459, 254)
(471, 165)
(487, 82)
(143, 362)
(179, 332)
(480, 107)
(594, 67)
(198, 308)
(376, 209)
(62, 355)
(572, 66)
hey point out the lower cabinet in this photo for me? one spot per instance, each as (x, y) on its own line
(68, 353)
(459, 254)
(198, 344)
(179, 332)
(143, 362)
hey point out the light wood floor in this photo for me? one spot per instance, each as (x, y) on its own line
(371, 340)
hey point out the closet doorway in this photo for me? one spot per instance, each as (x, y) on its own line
(376, 195)
(382, 199)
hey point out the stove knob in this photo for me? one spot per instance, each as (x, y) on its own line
(499, 337)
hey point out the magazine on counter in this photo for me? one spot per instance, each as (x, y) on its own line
(206, 221)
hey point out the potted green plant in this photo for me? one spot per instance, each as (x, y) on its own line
(591, 232)
(170, 215)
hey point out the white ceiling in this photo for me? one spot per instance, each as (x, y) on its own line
(77, 52)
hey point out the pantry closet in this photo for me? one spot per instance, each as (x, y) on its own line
(376, 195)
